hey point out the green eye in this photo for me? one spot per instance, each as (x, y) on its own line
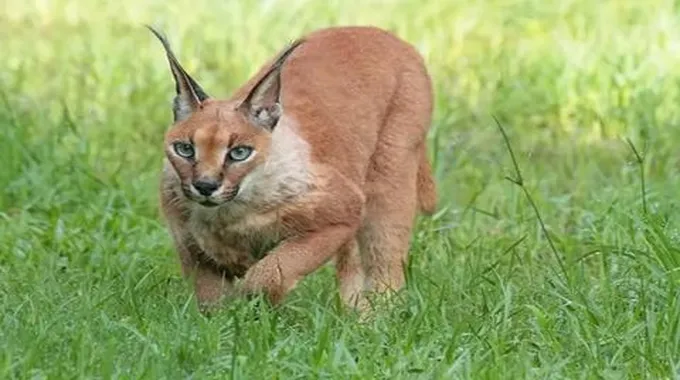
(240, 153)
(184, 149)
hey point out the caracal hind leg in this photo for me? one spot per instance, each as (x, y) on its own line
(385, 234)
(350, 275)
(391, 185)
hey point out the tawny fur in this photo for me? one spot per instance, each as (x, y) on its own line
(342, 173)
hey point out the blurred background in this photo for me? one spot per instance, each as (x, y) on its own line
(90, 87)
(85, 97)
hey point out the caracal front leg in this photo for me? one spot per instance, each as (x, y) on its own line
(210, 282)
(211, 285)
(276, 274)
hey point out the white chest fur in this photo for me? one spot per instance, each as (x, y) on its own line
(285, 173)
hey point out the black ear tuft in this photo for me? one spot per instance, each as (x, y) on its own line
(189, 95)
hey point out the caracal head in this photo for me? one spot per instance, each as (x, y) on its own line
(213, 144)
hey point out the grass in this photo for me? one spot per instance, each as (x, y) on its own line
(89, 283)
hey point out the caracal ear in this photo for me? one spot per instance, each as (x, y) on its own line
(262, 105)
(189, 95)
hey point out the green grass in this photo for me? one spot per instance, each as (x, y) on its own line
(90, 286)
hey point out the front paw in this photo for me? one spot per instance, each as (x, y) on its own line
(265, 278)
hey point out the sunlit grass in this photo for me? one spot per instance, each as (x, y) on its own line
(89, 282)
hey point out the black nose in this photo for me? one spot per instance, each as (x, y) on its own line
(206, 187)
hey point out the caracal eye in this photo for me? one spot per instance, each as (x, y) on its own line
(240, 153)
(183, 149)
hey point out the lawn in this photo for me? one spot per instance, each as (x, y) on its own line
(568, 269)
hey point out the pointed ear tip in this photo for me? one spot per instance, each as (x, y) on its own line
(156, 33)
(298, 41)
(292, 46)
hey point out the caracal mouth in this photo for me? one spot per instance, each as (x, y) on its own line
(208, 203)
